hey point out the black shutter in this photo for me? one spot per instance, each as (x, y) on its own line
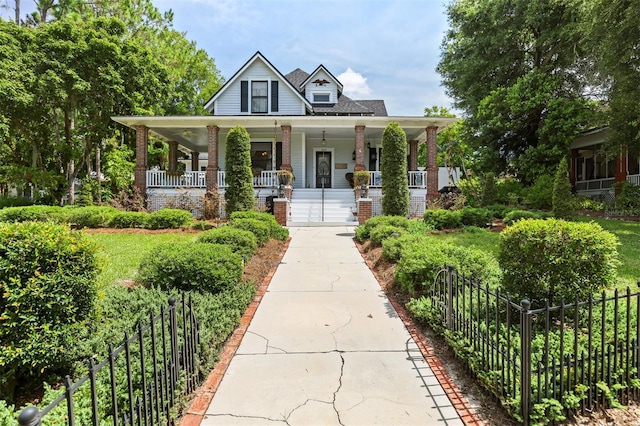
(244, 96)
(274, 96)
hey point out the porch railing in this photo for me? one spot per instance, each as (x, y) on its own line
(162, 179)
(417, 179)
(634, 179)
(595, 184)
(266, 178)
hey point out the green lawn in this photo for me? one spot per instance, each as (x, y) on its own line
(627, 232)
(121, 253)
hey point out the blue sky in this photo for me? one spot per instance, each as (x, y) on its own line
(378, 49)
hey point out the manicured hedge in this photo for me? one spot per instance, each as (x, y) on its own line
(443, 219)
(363, 231)
(169, 219)
(239, 241)
(276, 230)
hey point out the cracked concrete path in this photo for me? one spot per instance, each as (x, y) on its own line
(326, 347)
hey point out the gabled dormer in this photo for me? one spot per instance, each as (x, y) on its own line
(258, 88)
(321, 87)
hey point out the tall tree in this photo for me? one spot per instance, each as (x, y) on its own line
(512, 66)
(239, 194)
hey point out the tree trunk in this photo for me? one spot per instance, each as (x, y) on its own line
(17, 12)
(99, 170)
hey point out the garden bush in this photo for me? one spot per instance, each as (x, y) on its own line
(499, 211)
(516, 215)
(239, 193)
(563, 201)
(363, 231)
(509, 192)
(48, 278)
(382, 232)
(393, 165)
(12, 201)
(443, 219)
(476, 217)
(191, 266)
(89, 216)
(169, 219)
(259, 228)
(123, 219)
(489, 190)
(276, 230)
(392, 248)
(31, 213)
(240, 241)
(553, 259)
(540, 194)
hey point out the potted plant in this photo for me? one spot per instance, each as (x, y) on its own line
(285, 177)
(360, 183)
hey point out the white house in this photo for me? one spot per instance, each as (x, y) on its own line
(300, 122)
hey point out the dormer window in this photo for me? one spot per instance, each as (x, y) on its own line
(321, 98)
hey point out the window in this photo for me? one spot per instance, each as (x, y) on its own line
(262, 156)
(321, 98)
(259, 97)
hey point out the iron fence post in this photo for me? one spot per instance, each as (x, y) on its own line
(525, 360)
(30, 416)
(449, 314)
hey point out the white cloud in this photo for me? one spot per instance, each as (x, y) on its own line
(355, 84)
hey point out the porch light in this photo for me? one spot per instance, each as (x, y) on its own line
(353, 156)
(324, 142)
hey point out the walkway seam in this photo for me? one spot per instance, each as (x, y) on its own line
(194, 415)
(457, 398)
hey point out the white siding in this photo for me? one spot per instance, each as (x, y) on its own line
(229, 101)
(330, 88)
(296, 159)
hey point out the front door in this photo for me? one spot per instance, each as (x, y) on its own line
(323, 169)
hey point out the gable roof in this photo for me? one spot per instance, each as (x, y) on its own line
(297, 77)
(316, 71)
(257, 56)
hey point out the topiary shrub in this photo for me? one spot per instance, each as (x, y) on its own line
(239, 192)
(206, 268)
(516, 215)
(128, 220)
(563, 202)
(382, 232)
(395, 187)
(363, 231)
(276, 230)
(259, 228)
(240, 241)
(47, 289)
(89, 216)
(169, 219)
(443, 219)
(553, 259)
(476, 217)
(31, 213)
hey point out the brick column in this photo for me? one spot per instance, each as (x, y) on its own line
(621, 169)
(195, 161)
(432, 166)
(286, 148)
(173, 156)
(281, 210)
(365, 209)
(359, 149)
(413, 155)
(140, 171)
(211, 174)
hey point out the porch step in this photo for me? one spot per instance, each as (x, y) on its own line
(307, 207)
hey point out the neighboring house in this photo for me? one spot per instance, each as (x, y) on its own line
(299, 122)
(593, 172)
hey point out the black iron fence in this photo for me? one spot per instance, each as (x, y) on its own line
(139, 382)
(542, 362)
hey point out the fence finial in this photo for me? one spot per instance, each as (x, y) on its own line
(173, 301)
(525, 304)
(30, 416)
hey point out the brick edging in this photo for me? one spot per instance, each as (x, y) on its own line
(457, 398)
(204, 395)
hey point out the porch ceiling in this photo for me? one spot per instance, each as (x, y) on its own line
(191, 132)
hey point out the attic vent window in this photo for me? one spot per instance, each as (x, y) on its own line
(321, 98)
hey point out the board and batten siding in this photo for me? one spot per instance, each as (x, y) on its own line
(289, 103)
(331, 87)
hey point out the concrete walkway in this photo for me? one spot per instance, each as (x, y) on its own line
(326, 347)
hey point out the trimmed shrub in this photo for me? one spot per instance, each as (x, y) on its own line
(509, 192)
(202, 225)
(476, 217)
(395, 187)
(489, 189)
(169, 219)
(540, 195)
(363, 231)
(31, 213)
(553, 259)
(563, 201)
(443, 219)
(516, 215)
(276, 230)
(48, 279)
(499, 211)
(11, 201)
(392, 248)
(239, 193)
(259, 228)
(128, 220)
(207, 268)
(239, 241)
(382, 232)
(89, 216)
